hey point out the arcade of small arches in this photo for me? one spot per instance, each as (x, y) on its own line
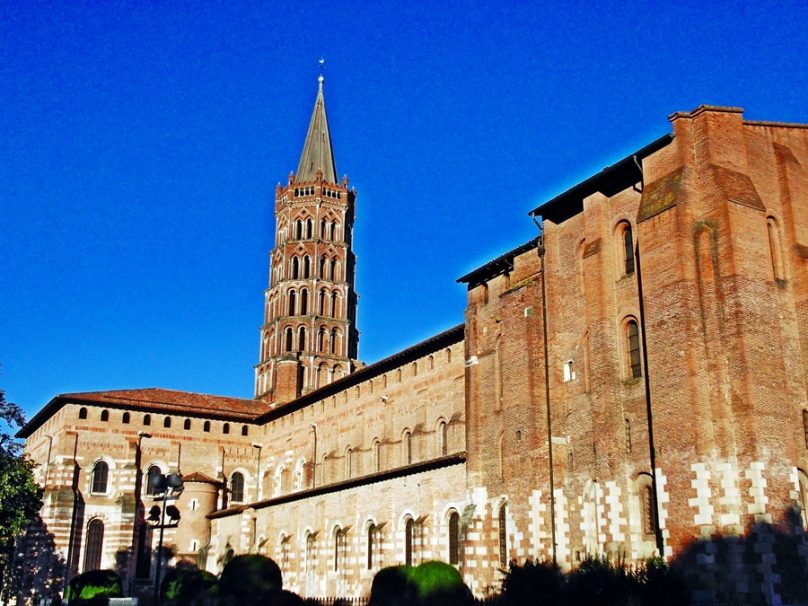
(301, 268)
(295, 339)
(356, 461)
(303, 228)
(146, 421)
(298, 303)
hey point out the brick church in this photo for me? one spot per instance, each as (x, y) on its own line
(630, 383)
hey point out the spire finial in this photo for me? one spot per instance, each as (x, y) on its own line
(322, 69)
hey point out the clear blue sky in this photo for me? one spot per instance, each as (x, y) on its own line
(140, 144)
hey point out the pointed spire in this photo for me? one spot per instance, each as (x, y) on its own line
(317, 154)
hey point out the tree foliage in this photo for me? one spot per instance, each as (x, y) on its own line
(20, 497)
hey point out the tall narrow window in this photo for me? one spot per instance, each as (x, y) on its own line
(628, 250)
(503, 536)
(321, 339)
(348, 463)
(443, 444)
(304, 302)
(288, 338)
(454, 538)
(633, 338)
(334, 304)
(377, 456)
(308, 229)
(371, 541)
(292, 302)
(648, 517)
(332, 229)
(322, 229)
(301, 338)
(237, 487)
(322, 268)
(100, 477)
(339, 547)
(805, 426)
(306, 266)
(332, 266)
(408, 532)
(95, 544)
(407, 447)
(295, 268)
(333, 340)
(322, 302)
(774, 247)
(628, 434)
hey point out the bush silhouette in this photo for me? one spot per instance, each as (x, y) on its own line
(185, 584)
(248, 577)
(95, 585)
(536, 583)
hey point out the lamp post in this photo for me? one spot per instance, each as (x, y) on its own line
(167, 488)
(259, 483)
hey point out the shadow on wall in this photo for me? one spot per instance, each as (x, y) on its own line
(768, 560)
(36, 569)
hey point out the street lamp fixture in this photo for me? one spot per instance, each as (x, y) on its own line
(167, 488)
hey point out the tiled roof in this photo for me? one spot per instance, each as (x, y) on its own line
(154, 399)
(197, 476)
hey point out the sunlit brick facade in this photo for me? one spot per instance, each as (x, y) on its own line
(632, 382)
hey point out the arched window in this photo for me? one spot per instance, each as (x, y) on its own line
(306, 266)
(443, 443)
(321, 339)
(377, 456)
(339, 547)
(167, 422)
(292, 302)
(322, 373)
(322, 268)
(333, 340)
(245, 430)
(332, 264)
(288, 338)
(295, 268)
(298, 229)
(503, 537)
(407, 447)
(322, 302)
(237, 487)
(301, 338)
(82, 413)
(332, 230)
(322, 229)
(153, 472)
(373, 532)
(226, 428)
(454, 538)
(206, 426)
(648, 517)
(633, 349)
(628, 249)
(100, 477)
(409, 527)
(95, 545)
(308, 229)
(147, 419)
(105, 415)
(187, 424)
(125, 418)
(348, 462)
(304, 302)
(334, 304)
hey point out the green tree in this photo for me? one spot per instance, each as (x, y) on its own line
(20, 497)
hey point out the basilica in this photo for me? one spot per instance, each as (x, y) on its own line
(631, 383)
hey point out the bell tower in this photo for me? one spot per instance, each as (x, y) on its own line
(309, 336)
